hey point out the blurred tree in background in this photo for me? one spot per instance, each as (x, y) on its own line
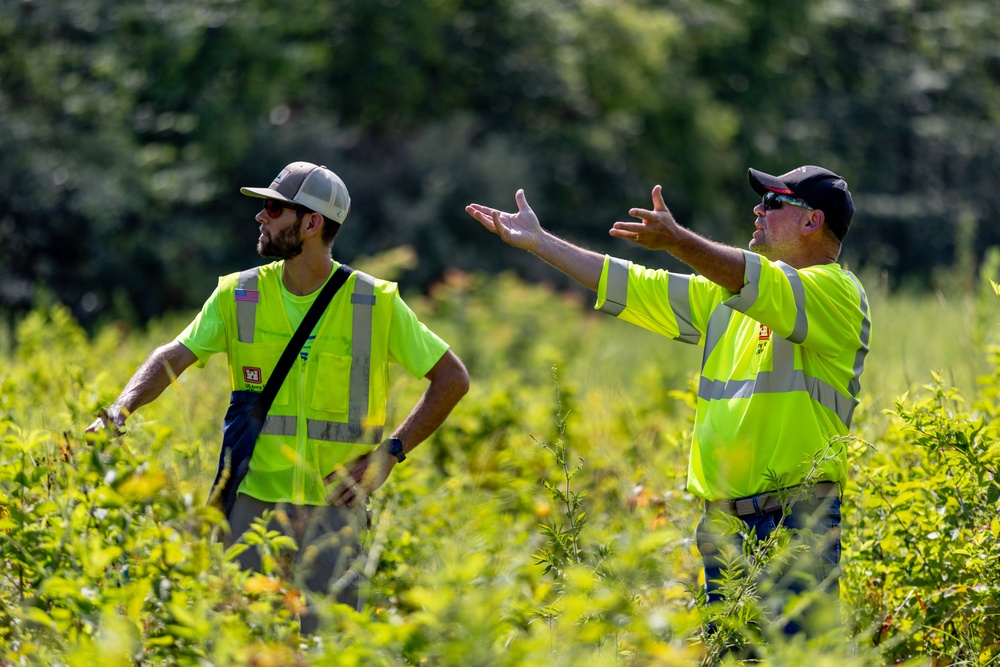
(126, 129)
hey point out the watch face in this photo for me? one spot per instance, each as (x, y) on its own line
(396, 448)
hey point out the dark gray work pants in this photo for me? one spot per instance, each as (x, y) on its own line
(329, 556)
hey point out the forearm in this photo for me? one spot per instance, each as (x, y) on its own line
(449, 383)
(657, 230)
(155, 374)
(723, 265)
(583, 266)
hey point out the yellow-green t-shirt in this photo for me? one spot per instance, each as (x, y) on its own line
(411, 344)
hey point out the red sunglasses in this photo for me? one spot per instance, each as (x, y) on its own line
(274, 207)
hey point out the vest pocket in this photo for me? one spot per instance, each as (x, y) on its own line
(332, 384)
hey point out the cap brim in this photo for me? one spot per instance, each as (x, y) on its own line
(763, 183)
(266, 193)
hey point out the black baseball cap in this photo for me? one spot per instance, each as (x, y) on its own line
(820, 188)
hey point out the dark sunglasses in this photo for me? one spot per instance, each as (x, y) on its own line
(772, 201)
(274, 207)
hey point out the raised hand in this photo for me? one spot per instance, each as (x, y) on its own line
(656, 230)
(521, 229)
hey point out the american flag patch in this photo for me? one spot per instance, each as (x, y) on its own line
(248, 295)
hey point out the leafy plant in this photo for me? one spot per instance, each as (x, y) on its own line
(562, 535)
(108, 552)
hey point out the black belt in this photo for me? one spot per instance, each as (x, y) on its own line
(769, 501)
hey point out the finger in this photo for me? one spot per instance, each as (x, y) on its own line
(642, 214)
(343, 477)
(476, 210)
(358, 495)
(343, 494)
(628, 236)
(502, 230)
(630, 227)
(351, 494)
(484, 215)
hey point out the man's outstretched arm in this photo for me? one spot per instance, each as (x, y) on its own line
(163, 366)
(522, 230)
(657, 230)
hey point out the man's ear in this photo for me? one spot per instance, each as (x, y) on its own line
(312, 224)
(815, 221)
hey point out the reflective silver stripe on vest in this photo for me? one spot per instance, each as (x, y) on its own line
(340, 432)
(854, 386)
(784, 377)
(718, 322)
(277, 425)
(317, 429)
(678, 286)
(801, 328)
(616, 288)
(782, 356)
(361, 358)
(354, 431)
(246, 311)
(772, 382)
(751, 290)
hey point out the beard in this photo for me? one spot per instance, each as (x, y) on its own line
(286, 245)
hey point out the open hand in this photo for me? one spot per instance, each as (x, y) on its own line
(521, 229)
(657, 228)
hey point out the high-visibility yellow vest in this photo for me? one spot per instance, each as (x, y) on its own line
(780, 372)
(331, 407)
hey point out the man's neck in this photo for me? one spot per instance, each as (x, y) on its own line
(807, 257)
(306, 273)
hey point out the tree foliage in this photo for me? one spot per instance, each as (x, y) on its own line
(128, 128)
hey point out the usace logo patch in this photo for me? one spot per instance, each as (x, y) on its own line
(252, 375)
(763, 336)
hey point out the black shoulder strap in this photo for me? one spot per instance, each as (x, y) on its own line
(294, 346)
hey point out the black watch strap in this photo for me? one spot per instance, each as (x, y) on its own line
(396, 448)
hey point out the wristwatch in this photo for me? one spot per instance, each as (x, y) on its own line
(396, 448)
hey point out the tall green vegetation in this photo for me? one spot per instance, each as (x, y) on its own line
(545, 523)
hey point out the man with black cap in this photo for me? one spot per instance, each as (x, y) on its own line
(321, 450)
(785, 331)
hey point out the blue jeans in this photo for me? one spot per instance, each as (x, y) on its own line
(810, 575)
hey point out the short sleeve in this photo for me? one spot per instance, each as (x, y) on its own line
(673, 305)
(411, 344)
(206, 334)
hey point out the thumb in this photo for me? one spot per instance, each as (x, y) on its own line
(522, 201)
(658, 203)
